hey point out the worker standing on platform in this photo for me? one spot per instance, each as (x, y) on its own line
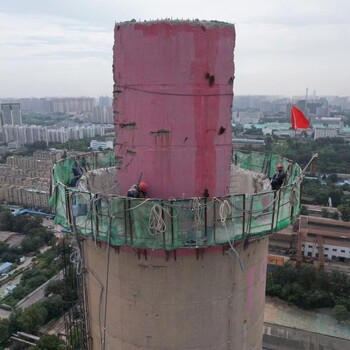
(278, 178)
(77, 172)
(138, 190)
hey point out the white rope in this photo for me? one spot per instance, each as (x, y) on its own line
(197, 208)
(224, 211)
(294, 195)
(139, 205)
(75, 259)
(157, 224)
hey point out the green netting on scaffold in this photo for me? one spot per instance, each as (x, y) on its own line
(173, 224)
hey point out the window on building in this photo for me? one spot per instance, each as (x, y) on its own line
(334, 250)
(325, 248)
(342, 251)
(309, 254)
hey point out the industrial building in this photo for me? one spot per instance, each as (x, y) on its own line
(324, 239)
(5, 268)
(314, 239)
(185, 267)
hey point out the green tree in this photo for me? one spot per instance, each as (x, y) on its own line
(4, 330)
(333, 178)
(6, 221)
(20, 292)
(32, 318)
(345, 211)
(49, 342)
(341, 313)
(303, 210)
(31, 244)
(54, 306)
(55, 287)
(309, 287)
(36, 281)
(346, 187)
(3, 247)
(337, 196)
(14, 325)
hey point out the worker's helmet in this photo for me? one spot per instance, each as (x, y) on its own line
(143, 187)
(279, 166)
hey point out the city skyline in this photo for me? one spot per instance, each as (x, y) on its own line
(65, 48)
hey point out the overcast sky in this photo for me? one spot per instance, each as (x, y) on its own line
(64, 47)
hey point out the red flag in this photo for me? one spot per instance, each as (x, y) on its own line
(299, 121)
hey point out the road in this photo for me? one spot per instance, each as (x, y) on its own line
(37, 294)
(33, 297)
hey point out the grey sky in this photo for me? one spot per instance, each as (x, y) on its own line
(64, 47)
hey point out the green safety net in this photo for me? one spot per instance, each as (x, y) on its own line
(172, 224)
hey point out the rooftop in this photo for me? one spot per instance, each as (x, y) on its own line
(284, 314)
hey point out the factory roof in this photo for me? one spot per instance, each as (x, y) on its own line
(284, 314)
(5, 266)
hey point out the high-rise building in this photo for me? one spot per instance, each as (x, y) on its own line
(102, 115)
(105, 101)
(11, 114)
(74, 105)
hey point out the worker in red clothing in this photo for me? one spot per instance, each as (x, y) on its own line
(278, 178)
(138, 190)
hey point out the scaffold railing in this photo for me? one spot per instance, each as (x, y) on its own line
(176, 223)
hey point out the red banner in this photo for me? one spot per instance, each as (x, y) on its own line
(299, 121)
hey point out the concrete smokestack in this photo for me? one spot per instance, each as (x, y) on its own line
(172, 103)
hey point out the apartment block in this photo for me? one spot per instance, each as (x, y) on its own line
(26, 180)
(102, 115)
(74, 105)
(11, 114)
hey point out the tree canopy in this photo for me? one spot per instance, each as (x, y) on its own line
(309, 287)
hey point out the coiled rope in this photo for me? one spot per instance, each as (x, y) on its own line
(156, 223)
(224, 211)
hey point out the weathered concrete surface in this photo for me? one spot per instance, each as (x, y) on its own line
(241, 181)
(156, 303)
(247, 181)
(173, 90)
(102, 181)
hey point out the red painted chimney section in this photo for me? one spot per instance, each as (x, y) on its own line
(173, 91)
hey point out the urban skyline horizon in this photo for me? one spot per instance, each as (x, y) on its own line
(64, 48)
(296, 96)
